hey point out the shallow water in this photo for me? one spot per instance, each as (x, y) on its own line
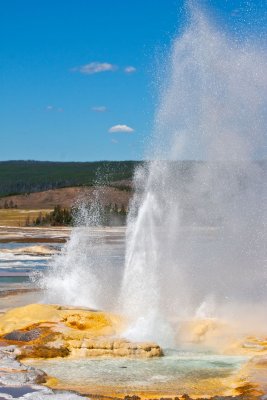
(17, 269)
(22, 264)
(17, 391)
(177, 371)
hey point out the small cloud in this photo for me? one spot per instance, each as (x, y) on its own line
(121, 129)
(114, 141)
(54, 109)
(94, 68)
(130, 69)
(99, 109)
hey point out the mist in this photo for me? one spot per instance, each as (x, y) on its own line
(196, 235)
(196, 239)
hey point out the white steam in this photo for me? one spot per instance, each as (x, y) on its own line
(197, 230)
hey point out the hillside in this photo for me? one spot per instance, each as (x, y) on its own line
(36, 176)
(38, 185)
(66, 197)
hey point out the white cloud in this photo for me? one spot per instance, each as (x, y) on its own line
(94, 68)
(121, 129)
(130, 69)
(54, 109)
(99, 109)
(114, 141)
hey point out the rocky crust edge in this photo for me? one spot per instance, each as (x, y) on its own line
(15, 376)
(49, 331)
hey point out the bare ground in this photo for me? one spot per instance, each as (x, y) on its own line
(66, 197)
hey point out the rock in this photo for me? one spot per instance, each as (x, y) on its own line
(56, 331)
(21, 336)
(40, 351)
(79, 320)
(248, 346)
(109, 347)
(23, 317)
(13, 372)
(19, 378)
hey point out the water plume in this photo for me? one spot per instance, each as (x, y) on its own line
(82, 274)
(197, 229)
(196, 233)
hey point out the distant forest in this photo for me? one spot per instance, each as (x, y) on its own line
(34, 176)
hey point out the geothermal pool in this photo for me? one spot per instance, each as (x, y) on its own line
(192, 371)
(195, 371)
(20, 264)
(195, 243)
(176, 373)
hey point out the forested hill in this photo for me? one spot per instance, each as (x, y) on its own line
(34, 176)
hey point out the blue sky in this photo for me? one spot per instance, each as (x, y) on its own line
(77, 77)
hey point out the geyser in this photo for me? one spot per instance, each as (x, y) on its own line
(85, 273)
(196, 233)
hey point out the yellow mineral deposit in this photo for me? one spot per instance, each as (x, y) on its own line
(48, 331)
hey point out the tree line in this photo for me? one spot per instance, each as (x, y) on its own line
(34, 176)
(108, 215)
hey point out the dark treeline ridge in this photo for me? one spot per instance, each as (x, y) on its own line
(17, 177)
(34, 176)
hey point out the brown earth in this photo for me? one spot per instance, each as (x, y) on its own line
(66, 197)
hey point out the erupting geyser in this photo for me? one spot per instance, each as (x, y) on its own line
(196, 229)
